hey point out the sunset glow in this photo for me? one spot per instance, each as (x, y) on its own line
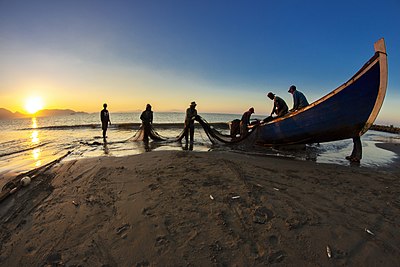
(33, 105)
(131, 53)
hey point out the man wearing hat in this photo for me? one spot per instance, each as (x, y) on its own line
(280, 108)
(245, 121)
(299, 100)
(191, 114)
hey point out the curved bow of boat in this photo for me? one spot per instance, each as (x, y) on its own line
(346, 112)
(380, 51)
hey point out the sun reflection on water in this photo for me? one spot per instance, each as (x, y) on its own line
(34, 123)
(35, 140)
(35, 133)
(35, 137)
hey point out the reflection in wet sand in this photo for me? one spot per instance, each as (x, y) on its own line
(36, 156)
(105, 147)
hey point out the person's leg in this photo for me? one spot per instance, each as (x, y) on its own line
(357, 150)
(146, 133)
(243, 129)
(104, 131)
(186, 134)
(283, 112)
(191, 134)
(356, 153)
(191, 137)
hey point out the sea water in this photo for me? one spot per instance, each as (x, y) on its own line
(29, 143)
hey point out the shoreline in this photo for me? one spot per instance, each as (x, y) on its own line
(195, 208)
(395, 148)
(368, 162)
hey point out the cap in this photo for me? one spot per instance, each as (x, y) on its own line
(292, 89)
(270, 95)
(193, 103)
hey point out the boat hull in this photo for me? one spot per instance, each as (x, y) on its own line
(346, 112)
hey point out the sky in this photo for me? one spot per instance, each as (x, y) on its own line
(225, 55)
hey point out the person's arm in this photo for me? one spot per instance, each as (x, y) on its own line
(273, 109)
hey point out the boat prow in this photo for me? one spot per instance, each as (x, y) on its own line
(346, 112)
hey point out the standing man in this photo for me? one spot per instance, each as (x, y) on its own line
(299, 100)
(105, 119)
(191, 114)
(245, 121)
(280, 108)
(147, 120)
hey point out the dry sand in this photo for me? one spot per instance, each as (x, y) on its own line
(178, 208)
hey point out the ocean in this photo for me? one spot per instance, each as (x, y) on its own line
(29, 143)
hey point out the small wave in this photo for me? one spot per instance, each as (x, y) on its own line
(128, 126)
(23, 150)
(63, 127)
(11, 143)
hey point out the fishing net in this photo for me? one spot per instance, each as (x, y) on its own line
(154, 135)
(217, 138)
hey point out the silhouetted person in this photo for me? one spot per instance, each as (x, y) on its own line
(245, 121)
(356, 154)
(299, 100)
(191, 114)
(105, 119)
(280, 108)
(147, 120)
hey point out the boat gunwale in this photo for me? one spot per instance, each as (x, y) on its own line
(376, 58)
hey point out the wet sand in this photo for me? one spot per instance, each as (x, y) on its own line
(179, 208)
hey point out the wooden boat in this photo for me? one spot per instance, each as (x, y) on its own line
(347, 112)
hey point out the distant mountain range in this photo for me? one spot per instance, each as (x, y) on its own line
(6, 114)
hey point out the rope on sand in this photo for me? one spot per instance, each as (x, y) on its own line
(20, 180)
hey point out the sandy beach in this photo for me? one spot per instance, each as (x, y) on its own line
(179, 208)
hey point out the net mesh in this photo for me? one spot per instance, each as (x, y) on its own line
(215, 136)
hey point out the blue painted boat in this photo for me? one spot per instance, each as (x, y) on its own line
(347, 112)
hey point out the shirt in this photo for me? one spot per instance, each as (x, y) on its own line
(279, 106)
(246, 118)
(147, 116)
(190, 113)
(104, 116)
(299, 100)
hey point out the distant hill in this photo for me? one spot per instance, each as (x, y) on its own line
(6, 114)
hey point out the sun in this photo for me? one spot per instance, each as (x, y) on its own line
(33, 104)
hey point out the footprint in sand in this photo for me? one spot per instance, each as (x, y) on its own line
(273, 240)
(276, 256)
